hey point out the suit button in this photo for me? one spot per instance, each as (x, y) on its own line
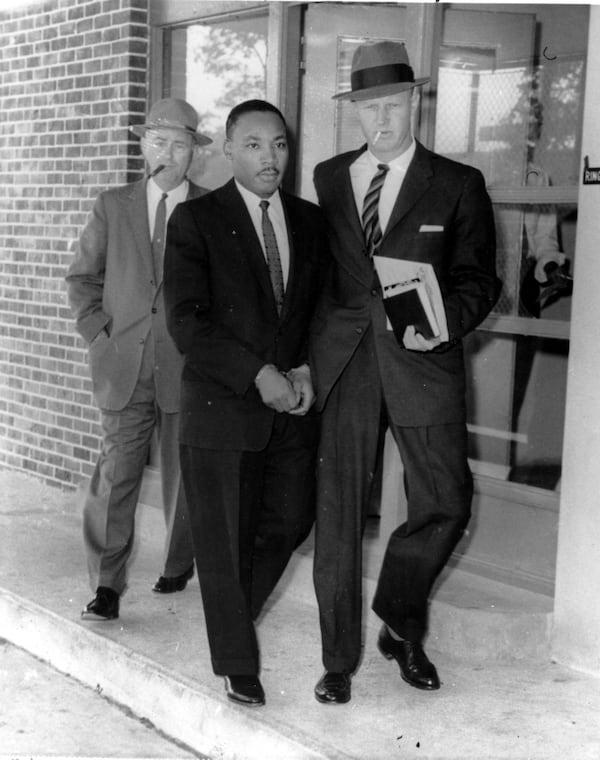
(359, 330)
(374, 292)
(154, 309)
(142, 341)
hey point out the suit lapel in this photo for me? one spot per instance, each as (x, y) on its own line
(354, 260)
(248, 242)
(296, 238)
(343, 184)
(416, 183)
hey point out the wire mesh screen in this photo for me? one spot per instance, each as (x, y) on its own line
(558, 106)
(478, 121)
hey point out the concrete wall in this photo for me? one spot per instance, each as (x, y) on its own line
(72, 78)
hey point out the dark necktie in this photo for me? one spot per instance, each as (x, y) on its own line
(272, 252)
(370, 213)
(158, 237)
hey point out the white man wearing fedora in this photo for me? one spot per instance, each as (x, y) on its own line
(392, 198)
(115, 291)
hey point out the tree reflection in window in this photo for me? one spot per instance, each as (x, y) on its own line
(225, 64)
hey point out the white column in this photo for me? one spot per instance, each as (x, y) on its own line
(576, 636)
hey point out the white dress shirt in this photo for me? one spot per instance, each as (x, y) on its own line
(364, 169)
(277, 217)
(154, 194)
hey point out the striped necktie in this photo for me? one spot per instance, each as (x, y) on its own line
(158, 237)
(272, 252)
(370, 213)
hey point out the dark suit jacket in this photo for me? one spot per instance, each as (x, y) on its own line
(111, 284)
(222, 315)
(419, 388)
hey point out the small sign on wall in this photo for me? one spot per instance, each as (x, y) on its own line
(591, 174)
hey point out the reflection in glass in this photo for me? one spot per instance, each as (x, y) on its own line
(519, 125)
(515, 397)
(526, 234)
(475, 116)
(516, 115)
(214, 67)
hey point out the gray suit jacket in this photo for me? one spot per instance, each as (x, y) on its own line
(118, 302)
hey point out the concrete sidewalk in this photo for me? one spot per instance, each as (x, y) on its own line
(501, 696)
(47, 713)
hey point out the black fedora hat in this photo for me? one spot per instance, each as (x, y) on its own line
(380, 69)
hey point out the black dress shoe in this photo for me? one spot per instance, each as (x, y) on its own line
(245, 690)
(333, 688)
(415, 668)
(104, 606)
(166, 585)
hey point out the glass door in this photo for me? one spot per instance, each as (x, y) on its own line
(215, 64)
(506, 97)
(332, 31)
(517, 115)
(510, 101)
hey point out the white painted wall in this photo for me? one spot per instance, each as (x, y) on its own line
(576, 637)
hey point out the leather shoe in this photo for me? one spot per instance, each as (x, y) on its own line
(415, 667)
(245, 690)
(166, 585)
(104, 606)
(333, 688)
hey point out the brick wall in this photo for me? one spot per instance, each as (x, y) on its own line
(72, 78)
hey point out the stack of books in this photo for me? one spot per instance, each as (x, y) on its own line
(411, 296)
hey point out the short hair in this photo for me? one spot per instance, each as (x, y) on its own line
(249, 106)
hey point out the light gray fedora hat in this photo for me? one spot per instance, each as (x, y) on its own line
(380, 69)
(173, 113)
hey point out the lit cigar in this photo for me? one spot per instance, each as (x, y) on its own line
(158, 169)
(377, 136)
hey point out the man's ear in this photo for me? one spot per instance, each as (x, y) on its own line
(415, 98)
(227, 149)
(145, 145)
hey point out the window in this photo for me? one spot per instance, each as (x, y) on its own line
(510, 101)
(214, 66)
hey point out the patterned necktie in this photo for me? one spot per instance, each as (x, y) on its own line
(370, 213)
(158, 237)
(272, 252)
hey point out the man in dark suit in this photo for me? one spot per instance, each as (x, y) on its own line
(242, 274)
(115, 291)
(416, 206)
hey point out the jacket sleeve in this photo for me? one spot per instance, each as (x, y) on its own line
(85, 276)
(210, 347)
(471, 286)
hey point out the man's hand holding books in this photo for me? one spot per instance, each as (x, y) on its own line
(413, 303)
(414, 341)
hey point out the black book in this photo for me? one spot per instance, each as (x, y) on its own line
(411, 296)
(409, 304)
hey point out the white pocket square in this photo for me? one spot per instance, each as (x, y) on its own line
(431, 228)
